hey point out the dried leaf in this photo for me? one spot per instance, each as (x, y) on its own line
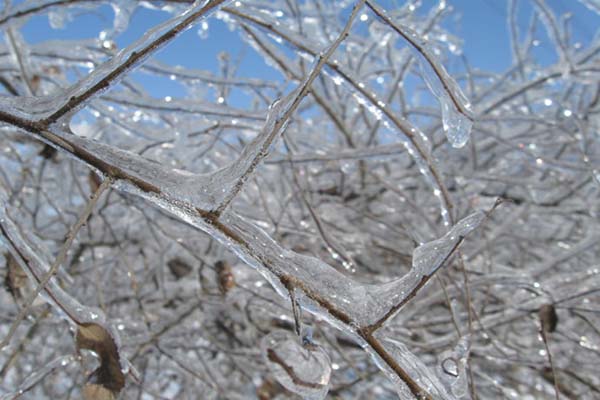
(179, 268)
(109, 375)
(269, 389)
(225, 276)
(92, 391)
(16, 279)
(548, 317)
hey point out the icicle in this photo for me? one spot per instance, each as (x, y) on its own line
(456, 109)
(302, 369)
(457, 126)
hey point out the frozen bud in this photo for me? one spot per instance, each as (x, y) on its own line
(225, 278)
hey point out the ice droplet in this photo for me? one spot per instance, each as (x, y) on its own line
(452, 368)
(304, 370)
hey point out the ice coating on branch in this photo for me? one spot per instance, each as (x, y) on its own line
(377, 108)
(593, 5)
(205, 191)
(21, 55)
(44, 107)
(192, 75)
(302, 369)
(411, 364)
(309, 275)
(39, 374)
(315, 276)
(361, 302)
(258, 148)
(553, 28)
(428, 257)
(54, 294)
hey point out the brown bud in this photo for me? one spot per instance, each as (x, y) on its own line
(179, 268)
(48, 152)
(225, 278)
(35, 83)
(548, 317)
(95, 181)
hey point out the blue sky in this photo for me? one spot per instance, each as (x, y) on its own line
(481, 24)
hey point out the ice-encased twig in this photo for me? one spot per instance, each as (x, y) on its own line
(37, 376)
(593, 5)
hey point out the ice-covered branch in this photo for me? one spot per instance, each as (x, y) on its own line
(48, 110)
